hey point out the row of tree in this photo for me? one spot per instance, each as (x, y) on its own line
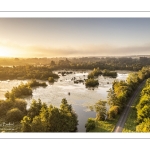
(143, 109)
(119, 95)
(109, 63)
(121, 91)
(26, 72)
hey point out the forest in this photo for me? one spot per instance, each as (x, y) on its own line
(110, 63)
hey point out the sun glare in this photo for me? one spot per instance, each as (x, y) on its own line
(5, 52)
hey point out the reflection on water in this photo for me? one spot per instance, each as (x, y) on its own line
(80, 97)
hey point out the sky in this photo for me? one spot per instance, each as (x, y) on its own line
(72, 37)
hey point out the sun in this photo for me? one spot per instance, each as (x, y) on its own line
(5, 52)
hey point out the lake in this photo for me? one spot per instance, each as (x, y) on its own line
(80, 97)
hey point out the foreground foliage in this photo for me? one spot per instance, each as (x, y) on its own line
(41, 118)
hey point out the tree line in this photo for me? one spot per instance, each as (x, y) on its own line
(110, 63)
(143, 109)
(118, 96)
(26, 72)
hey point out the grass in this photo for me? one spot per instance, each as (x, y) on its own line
(105, 126)
(131, 122)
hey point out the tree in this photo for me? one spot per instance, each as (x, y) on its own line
(50, 119)
(91, 82)
(100, 109)
(35, 108)
(54, 120)
(20, 104)
(90, 125)
(143, 113)
(36, 125)
(52, 63)
(144, 126)
(69, 116)
(113, 112)
(26, 124)
(14, 115)
(112, 99)
(51, 79)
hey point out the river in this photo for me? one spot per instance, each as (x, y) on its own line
(80, 97)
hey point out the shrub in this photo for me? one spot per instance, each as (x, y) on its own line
(91, 82)
(90, 125)
(51, 79)
(113, 112)
(14, 115)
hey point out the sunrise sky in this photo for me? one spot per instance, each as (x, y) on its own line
(65, 37)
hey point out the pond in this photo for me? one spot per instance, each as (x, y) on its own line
(77, 95)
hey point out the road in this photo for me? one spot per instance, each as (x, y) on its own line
(123, 117)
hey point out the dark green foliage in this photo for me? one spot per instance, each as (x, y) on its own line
(95, 72)
(143, 113)
(14, 115)
(34, 109)
(143, 106)
(40, 68)
(50, 119)
(51, 79)
(18, 92)
(91, 76)
(6, 105)
(91, 83)
(113, 112)
(20, 104)
(36, 125)
(144, 126)
(26, 72)
(100, 110)
(90, 125)
(34, 83)
(26, 124)
(112, 74)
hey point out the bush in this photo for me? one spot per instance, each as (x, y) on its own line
(144, 126)
(14, 115)
(20, 104)
(34, 83)
(51, 79)
(113, 112)
(90, 125)
(91, 82)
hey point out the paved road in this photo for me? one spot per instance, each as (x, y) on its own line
(123, 117)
